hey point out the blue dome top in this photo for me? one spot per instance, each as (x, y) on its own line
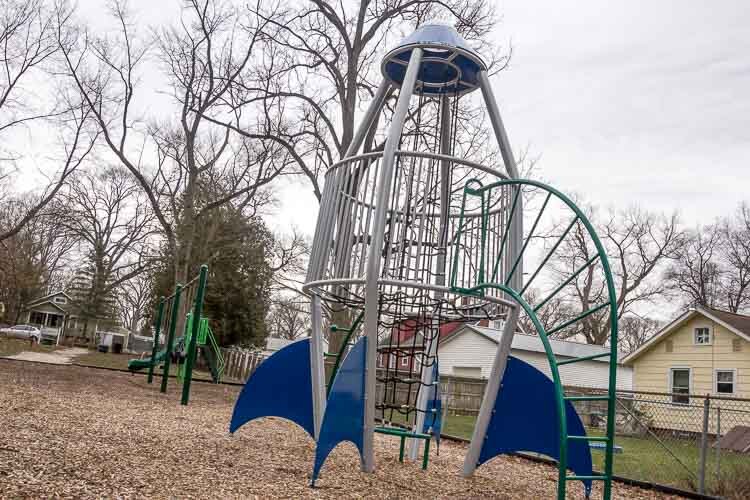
(449, 65)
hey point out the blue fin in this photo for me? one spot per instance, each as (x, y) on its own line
(525, 419)
(280, 387)
(345, 411)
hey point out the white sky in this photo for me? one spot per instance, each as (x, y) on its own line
(624, 102)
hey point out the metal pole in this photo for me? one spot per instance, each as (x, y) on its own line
(316, 364)
(170, 336)
(427, 373)
(369, 118)
(157, 328)
(704, 448)
(494, 383)
(193, 345)
(374, 253)
(716, 445)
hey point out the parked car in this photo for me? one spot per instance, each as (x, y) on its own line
(22, 332)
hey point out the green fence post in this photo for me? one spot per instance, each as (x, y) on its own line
(157, 328)
(193, 345)
(170, 336)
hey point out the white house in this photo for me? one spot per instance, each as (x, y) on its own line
(470, 351)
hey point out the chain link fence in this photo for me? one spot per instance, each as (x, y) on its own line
(699, 443)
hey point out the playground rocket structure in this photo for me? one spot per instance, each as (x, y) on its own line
(412, 237)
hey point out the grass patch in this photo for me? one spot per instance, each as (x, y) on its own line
(11, 346)
(643, 458)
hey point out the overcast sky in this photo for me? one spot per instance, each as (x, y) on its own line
(624, 102)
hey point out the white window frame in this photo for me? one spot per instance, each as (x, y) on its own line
(670, 380)
(733, 371)
(391, 360)
(710, 335)
(60, 300)
(404, 362)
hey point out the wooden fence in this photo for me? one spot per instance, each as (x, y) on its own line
(239, 364)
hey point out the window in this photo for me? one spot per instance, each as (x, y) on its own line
(679, 385)
(60, 300)
(702, 336)
(404, 362)
(380, 360)
(724, 381)
(391, 361)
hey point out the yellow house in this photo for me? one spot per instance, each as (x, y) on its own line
(702, 352)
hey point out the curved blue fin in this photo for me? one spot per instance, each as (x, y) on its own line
(280, 387)
(525, 419)
(344, 418)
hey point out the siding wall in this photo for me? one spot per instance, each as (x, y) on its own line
(652, 369)
(469, 349)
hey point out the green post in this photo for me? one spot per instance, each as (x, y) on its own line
(157, 327)
(193, 345)
(170, 336)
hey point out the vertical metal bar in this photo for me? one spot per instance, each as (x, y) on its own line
(494, 383)
(432, 347)
(316, 364)
(170, 336)
(716, 446)
(369, 118)
(192, 347)
(373, 263)
(704, 447)
(157, 330)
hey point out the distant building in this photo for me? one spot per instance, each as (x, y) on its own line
(468, 350)
(702, 352)
(57, 317)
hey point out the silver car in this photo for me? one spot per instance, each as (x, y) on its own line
(22, 332)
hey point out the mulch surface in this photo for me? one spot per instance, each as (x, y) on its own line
(75, 432)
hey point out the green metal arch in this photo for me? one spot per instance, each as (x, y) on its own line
(530, 311)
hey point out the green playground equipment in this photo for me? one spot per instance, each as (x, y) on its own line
(209, 349)
(184, 304)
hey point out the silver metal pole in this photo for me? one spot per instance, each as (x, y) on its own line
(494, 383)
(432, 347)
(316, 364)
(374, 253)
(369, 118)
(704, 447)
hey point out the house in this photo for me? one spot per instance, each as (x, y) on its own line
(400, 350)
(470, 352)
(57, 317)
(702, 352)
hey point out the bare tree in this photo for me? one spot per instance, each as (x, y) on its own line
(637, 243)
(320, 58)
(288, 318)
(197, 167)
(696, 274)
(28, 44)
(113, 222)
(33, 261)
(735, 255)
(133, 299)
(635, 330)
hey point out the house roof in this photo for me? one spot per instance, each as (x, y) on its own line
(47, 298)
(532, 343)
(736, 323)
(403, 333)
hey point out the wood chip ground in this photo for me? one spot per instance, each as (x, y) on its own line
(74, 432)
